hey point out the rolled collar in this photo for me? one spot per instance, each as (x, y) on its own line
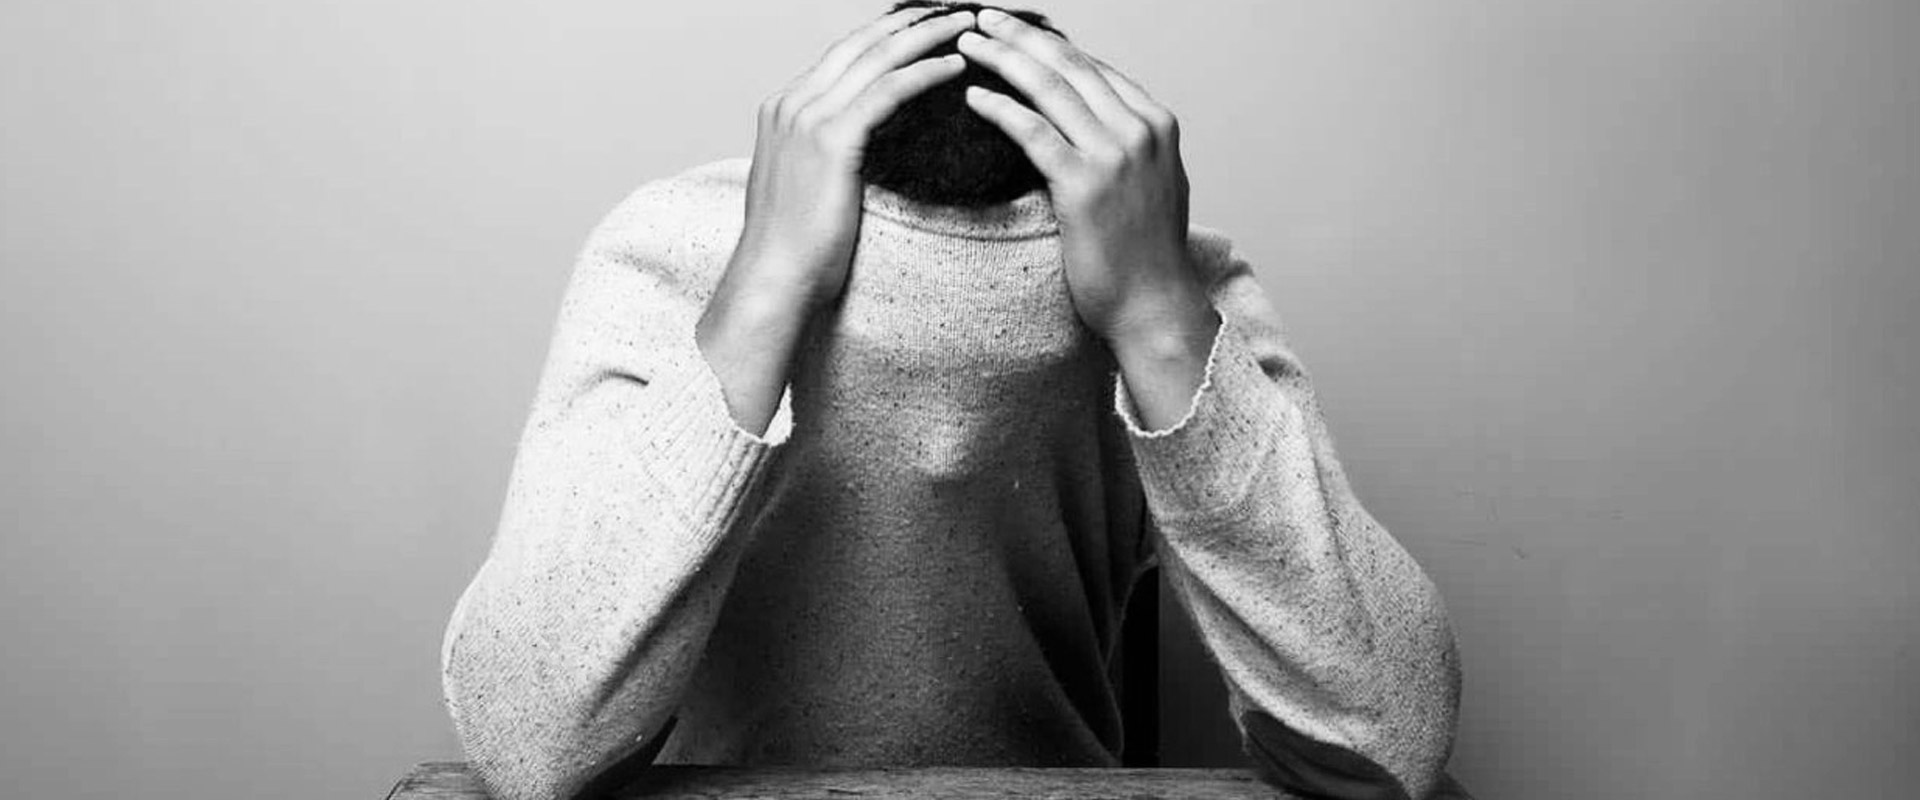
(1028, 215)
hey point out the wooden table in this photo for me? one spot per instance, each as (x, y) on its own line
(450, 780)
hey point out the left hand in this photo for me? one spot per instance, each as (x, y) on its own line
(1111, 158)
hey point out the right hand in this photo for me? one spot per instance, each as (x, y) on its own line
(803, 201)
(804, 190)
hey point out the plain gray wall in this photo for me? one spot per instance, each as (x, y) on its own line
(1608, 303)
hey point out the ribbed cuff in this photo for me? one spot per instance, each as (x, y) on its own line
(695, 448)
(1205, 462)
(1123, 399)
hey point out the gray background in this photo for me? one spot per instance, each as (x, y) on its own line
(1607, 302)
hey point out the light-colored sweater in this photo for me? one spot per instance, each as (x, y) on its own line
(925, 558)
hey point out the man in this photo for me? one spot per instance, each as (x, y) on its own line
(864, 475)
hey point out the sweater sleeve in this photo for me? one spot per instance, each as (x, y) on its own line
(623, 522)
(1337, 652)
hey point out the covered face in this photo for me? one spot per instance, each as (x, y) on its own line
(956, 504)
(956, 334)
(934, 149)
(955, 521)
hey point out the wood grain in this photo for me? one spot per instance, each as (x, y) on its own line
(446, 780)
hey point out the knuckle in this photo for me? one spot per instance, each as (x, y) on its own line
(1078, 191)
(1052, 82)
(794, 107)
(1136, 137)
(1165, 123)
(809, 119)
(1107, 158)
(837, 137)
(848, 44)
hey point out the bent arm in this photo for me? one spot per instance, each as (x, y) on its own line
(624, 519)
(1338, 655)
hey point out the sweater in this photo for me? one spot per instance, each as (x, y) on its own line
(924, 559)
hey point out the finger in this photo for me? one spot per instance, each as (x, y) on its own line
(884, 95)
(1049, 90)
(1149, 109)
(848, 48)
(897, 50)
(1070, 61)
(1036, 136)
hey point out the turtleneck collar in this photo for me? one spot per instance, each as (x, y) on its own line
(1026, 216)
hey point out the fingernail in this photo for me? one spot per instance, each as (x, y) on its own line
(992, 16)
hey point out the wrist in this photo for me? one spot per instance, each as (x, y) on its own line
(748, 336)
(1164, 363)
(751, 327)
(1163, 326)
(781, 279)
(1174, 348)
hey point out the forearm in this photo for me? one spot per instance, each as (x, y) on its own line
(619, 537)
(748, 333)
(1164, 359)
(1325, 624)
(617, 540)
(1319, 619)
(1336, 639)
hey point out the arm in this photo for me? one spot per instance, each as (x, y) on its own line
(1338, 656)
(625, 513)
(1339, 659)
(622, 525)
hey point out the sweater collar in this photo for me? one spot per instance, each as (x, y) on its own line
(1026, 216)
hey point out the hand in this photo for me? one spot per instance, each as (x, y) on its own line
(804, 190)
(1111, 158)
(803, 202)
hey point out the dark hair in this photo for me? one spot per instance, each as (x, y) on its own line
(935, 149)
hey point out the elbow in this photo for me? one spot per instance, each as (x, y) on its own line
(505, 779)
(1392, 741)
(523, 781)
(1424, 708)
(526, 742)
(1388, 767)
(1426, 749)
(1445, 676)
(509, 745)
(1426, 677)
(1401, 733)
(1426, 718)
(520, 762)
(507, 750)
(1310, 768)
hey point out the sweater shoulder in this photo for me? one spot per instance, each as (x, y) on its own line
(714, 192)
(678, 226)
(725, 179)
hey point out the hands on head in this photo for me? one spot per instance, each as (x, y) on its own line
(935, 149)
(1108, 151)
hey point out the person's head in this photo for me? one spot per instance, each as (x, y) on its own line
(935, 149)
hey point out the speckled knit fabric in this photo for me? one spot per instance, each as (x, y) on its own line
(924, 560)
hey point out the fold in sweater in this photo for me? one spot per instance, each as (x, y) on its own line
(924, 560)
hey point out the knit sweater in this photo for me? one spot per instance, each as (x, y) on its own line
(924, 560)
